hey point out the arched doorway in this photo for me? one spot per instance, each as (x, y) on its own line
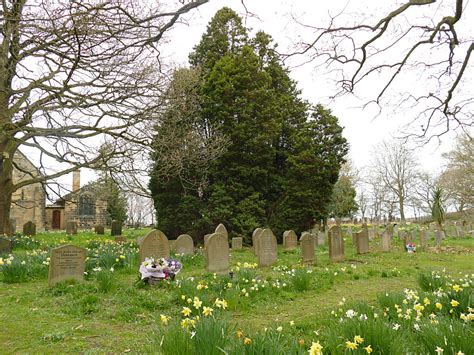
(56, 219)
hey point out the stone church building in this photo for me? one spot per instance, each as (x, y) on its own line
(83, 205)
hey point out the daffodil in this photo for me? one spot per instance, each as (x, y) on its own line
(368, 349)
(439, 350)
(279, 329)
(197, 303)
(350, 345)
(438, 305)
(207, 311)
(457, 288)
(164, 319)
(454, 303)
(315, 349)
(358, 339)
(239, 333)
(247, 341)
(186, 311)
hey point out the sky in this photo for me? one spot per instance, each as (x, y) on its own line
(363, 128)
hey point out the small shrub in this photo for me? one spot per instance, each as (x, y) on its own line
(301, 280)
(106, 281)
(431, 281)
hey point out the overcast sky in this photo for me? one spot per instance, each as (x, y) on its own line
(362, 127)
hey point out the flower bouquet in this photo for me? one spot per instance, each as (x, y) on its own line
(410, 247)
(153, 270)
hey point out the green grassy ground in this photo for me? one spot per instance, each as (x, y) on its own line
(110, 312)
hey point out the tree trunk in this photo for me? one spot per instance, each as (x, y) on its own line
(5, 203)
(402, 210)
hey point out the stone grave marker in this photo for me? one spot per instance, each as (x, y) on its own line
(185, 244)
(154, 245)
(206, 238)
(237, 243)
(67, 262)
(439, 236)
(414, 235)
(99, 229)
(307, 248)
(222, 230)
(255, 235)
(71, 227)
(321, 238)
(29, 228)
(290, 240)
(459, 231)
(336, 244)
(267, 248)
(385, 241)
(423, 238)
(120, 239)
(217, 254)
(6, 246)
(116, 228)
(362, 242)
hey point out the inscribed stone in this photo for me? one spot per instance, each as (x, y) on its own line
(217, 253)
(154, 245)
(99, 229)
(206, 239)
(120, 239)
(116, 228)
(321, 238)
(439, 236)
(222, 230)
(307, 248)
(423, 238)
(71, 227)
(237, 243)
(385, 240)
(336, 244)
(290, 240)
(29, 228)
(362, 242)
(67, 262)
(255, 235)
(185, 244)
(5, 246)
(267, 248)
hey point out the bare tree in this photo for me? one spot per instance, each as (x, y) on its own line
(423, 192)
(395, 167)
(140, 210)
(419, 51)
(74, 75)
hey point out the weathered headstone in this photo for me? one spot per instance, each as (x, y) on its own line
(336, 244)
(255, 235)
(414, 235)
(222, 230)
(385, 241)
(206, 239)
(67, 262)
(307, 248)
(217, 253)
(439, 236)
(71, 227)
(267, 248)
(116, 228)
(362, 242)
(154, 245)
(29, 228)
(99, 229)
(460, 231)
(185, 244)
(120, 239)
(321, 238)
(6, 246)
(290, 240)
(237, 243)
(423, 238)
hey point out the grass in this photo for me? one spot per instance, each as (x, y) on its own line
(109, 312)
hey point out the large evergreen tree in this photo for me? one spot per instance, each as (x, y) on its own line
(281, 158)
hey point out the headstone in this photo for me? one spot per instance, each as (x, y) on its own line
(29, 228)
(217, 253)
(99, 229)
(414, 235)
(116, 228)
(71, 227)
(290, 240)
(321, 238)
(423, 238)
(432, 226)
(185, 244)
(385, 241)
(439, 236)
(222, 230)
(6, 246)
(395, 229)
(206, 238)
(307, 248)
(255, 235)
(267, 248)
(460, 232)
(120, 239)
(154, 245)
(237, 243)
(67, 262)
(336, 244)
(362, 242)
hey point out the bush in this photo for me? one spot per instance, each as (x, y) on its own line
(301, 280)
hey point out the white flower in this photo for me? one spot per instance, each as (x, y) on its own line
(350, 313)
(279, 329)
(439, 350)
(416, 326)
(396, 326)
(363, 317)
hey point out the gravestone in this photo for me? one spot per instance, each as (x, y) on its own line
(459, 231)
(321, 238)
(99, 229)
(439, 236)
(67, 262)
(71, 227)
(6, 246)
(423, 238)
(255, 234)
(336, 244)
(116, 228)
(217, 253)
(185, 244)
(307, 248)
(237, 243)
(290, 240)
(414, 235)
(222, 230)
(432, 226)
(362, 242)
(385, 241)
(120, 239)
(267, 248)
(395, 229)
(206, 239)
(154, 245)
(29, 228)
